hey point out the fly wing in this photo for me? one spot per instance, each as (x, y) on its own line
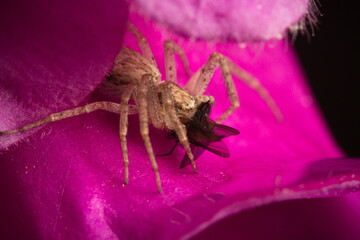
(218, 147)
(198, 147)
(205, 134)
(196, 151)
(224, 131)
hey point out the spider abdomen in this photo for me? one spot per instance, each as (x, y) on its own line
(130, 66)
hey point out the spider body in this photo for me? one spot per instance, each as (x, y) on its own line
(130, 66)
(164, 104)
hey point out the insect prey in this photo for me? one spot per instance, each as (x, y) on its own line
(204, 134)
(164, 104)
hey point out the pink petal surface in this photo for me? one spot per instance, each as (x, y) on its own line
(53, 55)
(64, 182)
(245, 20)
(327, 218)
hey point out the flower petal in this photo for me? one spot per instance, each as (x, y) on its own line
(53, 55)
(245, 20)
(327, 218)
(67, 180)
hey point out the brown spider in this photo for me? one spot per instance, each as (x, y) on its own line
(164, 104)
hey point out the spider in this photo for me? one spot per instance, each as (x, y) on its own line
(164, 104)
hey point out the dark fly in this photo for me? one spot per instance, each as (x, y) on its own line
(204, 134)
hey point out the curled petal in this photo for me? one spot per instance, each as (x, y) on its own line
(325, 218)
(242, 21)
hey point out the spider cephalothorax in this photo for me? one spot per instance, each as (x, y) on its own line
(164, 104)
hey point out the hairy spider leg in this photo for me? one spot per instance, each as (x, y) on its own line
(143, 44)
(179, 128)
(201, 79)
(142, 104)
(123, 128)
(255, 84)
(170, 48)
(104, 105)
(145, 96)
(204, 77)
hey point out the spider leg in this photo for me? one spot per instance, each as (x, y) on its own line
(144, 125)
(198, 84)
(123, 128)
(107, 106)
(170, 48)
(153, 104)
(201, 79)
(178, 127)
(254, 83)
(143, 43)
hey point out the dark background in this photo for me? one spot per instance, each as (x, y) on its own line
(331, 62)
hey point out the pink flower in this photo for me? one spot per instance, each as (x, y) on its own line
(65, 181)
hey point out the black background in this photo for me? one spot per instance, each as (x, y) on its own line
(331, 62)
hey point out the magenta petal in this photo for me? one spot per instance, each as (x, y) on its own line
(327, 218)
(245, 20)
(66, 181)
(53, 54)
